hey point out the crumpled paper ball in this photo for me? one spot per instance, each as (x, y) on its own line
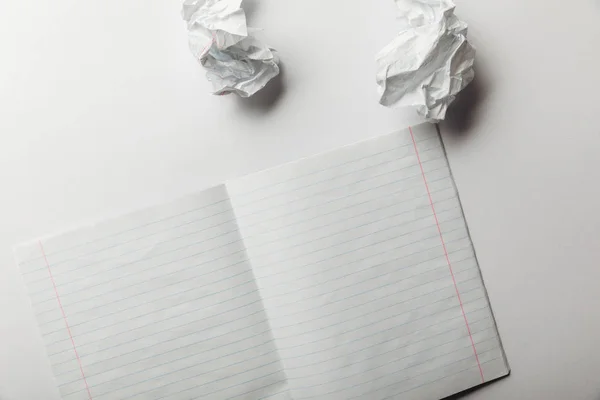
(430, 60)
(235, 62)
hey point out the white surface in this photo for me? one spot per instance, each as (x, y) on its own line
(105, 110)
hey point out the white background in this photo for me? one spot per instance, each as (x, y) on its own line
(104, 110)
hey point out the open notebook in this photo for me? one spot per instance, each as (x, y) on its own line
(347, 275)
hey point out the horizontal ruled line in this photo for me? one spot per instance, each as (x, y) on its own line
(220, 390)
(347, 241)
(63, 272)
(337, 210)
(371, 393)
(375, 299)
(208, 262)
(66, 294)
(251, 326)
(342, 175)
(409, 145)
(385, 319)
(337, 278)
(356, 227)
(55, 264)
(445, 299)
(59, 273)
(444, 377)
(462, 338)
(373, 256)
(26, 261)
(163, 320)
(162, 277)
(244, 349)
(186, 357)
(166, 308)
(393, 350)
(391, 328)
(181, 347)
(174, 371)
(371, 177)
(364, 247)
(449, 297)
(346, 196)
(144, 259)
(232, 287)
(162, 298)
(123, 231)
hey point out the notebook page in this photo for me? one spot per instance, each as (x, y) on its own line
(154, 305)
(366, 296)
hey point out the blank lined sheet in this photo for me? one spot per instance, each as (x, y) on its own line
(161, 304)
(347, 275)
(368, 274)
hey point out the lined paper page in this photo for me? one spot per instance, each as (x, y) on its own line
(160, 304)
(369, 292)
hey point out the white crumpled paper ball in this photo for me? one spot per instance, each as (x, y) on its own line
(218, 37)
(430, 60)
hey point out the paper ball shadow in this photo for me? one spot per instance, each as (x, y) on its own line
(250, 7)
(268, 97)
(465, 111)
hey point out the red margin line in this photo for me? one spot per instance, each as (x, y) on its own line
(65, 318)
(446, 253)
